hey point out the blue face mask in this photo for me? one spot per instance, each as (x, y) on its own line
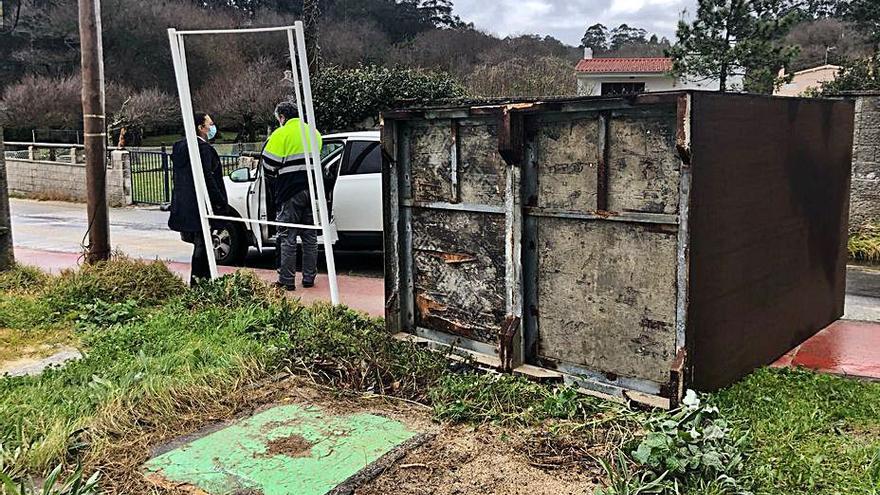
(212, 131)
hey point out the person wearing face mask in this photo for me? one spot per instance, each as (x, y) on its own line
(184, 208)
(284, 162)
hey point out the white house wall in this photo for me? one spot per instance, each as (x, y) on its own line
(592, 84)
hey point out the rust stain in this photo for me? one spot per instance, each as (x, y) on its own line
(437, 316)
(505, 341)
(606, 213)
(450, 258)
(674, 390)
(427, 305)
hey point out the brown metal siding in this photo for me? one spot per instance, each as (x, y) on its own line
(768, 219)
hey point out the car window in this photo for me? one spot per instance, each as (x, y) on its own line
(330, 147)
(362, 157)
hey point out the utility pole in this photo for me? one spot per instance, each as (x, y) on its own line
(94, 128)
(7, 257)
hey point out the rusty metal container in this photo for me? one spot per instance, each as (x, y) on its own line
(634, 246)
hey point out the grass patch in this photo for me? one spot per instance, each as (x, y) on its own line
(864, 245)
(25, 312)
(507, 399)
(126, 365)
(22, 279)
(808, 432)
(161, 359)
(343, 348)
(118, 280)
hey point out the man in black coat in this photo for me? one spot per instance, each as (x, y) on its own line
(184, 207)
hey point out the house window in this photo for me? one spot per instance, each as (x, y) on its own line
(622, 88)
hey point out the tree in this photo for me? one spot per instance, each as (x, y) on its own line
(624, 35)
(145, 110)
(859, 74)
(826, 40)
(653, 47)
(245, 99)
(596, 37)
(311, 15)
(866, 15)
(736, 37)
(440, 14)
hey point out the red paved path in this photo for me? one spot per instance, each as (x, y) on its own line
(845, 347)
(361, 293)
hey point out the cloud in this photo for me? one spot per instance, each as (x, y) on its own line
(567, 19)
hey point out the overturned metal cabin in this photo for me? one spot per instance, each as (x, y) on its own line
(635, 246)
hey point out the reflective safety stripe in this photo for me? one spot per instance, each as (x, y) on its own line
(282, 159)
(295, 168)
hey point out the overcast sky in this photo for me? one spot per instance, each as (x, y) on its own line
(567, 19)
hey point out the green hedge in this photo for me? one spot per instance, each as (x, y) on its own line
(347, 99)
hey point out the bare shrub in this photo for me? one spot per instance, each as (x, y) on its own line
(144, 111)
(245, 99)
(38, 101)
(543, 76)
(351, 43)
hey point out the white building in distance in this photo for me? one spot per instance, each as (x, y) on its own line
(616, 76)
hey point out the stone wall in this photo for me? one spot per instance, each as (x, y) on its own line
(67, 181)
(864, 204)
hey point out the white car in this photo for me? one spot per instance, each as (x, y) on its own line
(352, 165)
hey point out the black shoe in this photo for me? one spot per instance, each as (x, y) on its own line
(288, 288)
(308, 285)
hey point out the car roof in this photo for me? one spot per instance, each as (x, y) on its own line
(358, 135)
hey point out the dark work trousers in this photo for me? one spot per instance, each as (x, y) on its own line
(297, 209)
(199, 269)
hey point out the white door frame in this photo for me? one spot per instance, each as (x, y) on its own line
(303, 90)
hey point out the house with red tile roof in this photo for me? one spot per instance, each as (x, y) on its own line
(610, 76)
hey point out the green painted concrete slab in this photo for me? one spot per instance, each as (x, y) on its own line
(282, 451)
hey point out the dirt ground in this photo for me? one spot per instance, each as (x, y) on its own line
(462, 460)
(454, 460)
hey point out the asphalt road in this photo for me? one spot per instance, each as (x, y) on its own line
(142, 232)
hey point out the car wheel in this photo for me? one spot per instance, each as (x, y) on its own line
(230, 247)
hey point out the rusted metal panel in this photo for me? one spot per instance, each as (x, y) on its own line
(481, 168)
(431, 151)
(605, 304)
(637, 245)
(642, 161)
(768, 224)
(567, 155)
(459, 272)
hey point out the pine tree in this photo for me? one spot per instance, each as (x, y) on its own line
(736, 37)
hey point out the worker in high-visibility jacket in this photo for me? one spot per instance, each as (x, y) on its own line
(284, 162)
